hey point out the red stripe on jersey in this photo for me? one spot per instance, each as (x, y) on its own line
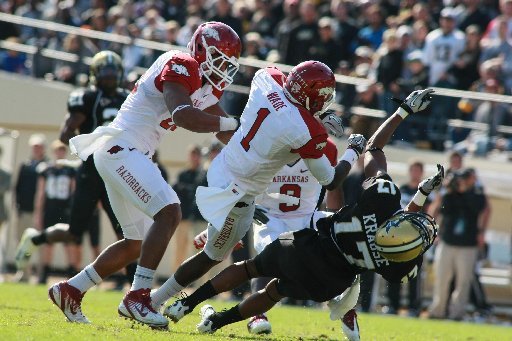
(276, 74)
(181, 68)
(331, 152)
(314, 148)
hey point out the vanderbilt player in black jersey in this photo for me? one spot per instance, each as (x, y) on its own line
(88, 108)
(319, 265)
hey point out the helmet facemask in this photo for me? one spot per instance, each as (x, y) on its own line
(218, 68)
(425, 225)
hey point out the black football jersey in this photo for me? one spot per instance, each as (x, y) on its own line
(98, 107)
(58, 181)
(354, 228)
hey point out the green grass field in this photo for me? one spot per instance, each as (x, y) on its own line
(27, 314)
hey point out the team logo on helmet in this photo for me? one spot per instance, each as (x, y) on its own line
(325, 91)
(180, 69)
(295, 87)
(211, 33)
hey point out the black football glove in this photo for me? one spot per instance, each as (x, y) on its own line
(432, 183)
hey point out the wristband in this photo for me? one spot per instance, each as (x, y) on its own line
(419, 198)
(350, 156)
(227, 123)
(402, 113)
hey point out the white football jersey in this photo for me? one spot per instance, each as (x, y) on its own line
(273, 133)
(144, 116)
(441, 51)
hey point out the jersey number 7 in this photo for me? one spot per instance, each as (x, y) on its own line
(261, 116)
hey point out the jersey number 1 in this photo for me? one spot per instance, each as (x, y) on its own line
(261, 116)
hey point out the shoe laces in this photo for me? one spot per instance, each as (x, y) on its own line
(143, 296)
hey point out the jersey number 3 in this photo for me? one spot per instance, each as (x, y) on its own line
(261, 116)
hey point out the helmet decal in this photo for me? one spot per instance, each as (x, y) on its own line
(210, 32)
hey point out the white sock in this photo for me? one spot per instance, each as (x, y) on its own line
(166, 291)
(143, 278)
(85, 279)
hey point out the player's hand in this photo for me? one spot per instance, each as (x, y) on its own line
(357, 142)
(332, 123)
(416, 101)
(259, 215)
(432, 183)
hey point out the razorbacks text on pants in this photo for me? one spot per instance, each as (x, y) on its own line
(226, 232)
(134, 184)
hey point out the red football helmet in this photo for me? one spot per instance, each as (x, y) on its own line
(216, 47)
(311, 84)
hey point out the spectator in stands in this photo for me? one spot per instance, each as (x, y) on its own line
(407, 191)
(222, 12)
(346, 30)
(264, 21)
(363, 55)
(192, 222)
(465, 69)
(175, 10)
(462, 228)
(442, 48)
(285, 26)
(67, 71)
(326, 49)
(371, 35)
(421, 12)
(420, 32)
(30, 9)
(345, 93)
(473, 14)
(172, 28)
(367, 97)
(186, 31)
(133, 55)
(501, 48)
(492, 31)
(254, 46)
(12, 60)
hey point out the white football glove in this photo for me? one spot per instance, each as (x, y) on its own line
(432, 183)
(332, 123)
(357, 142)
(416, 101)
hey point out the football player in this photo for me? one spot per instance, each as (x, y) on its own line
(179, 90)
(88, 108)
(274, 216)
(278, 125)
(320, 265)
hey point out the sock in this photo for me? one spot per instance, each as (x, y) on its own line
(40, 239)
(86, 279)
(166, 291)
(143, 278)
(203, 293)
(226, 317)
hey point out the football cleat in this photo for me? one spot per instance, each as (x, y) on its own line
(136, 305)
(259, 325)
(206, 325)
(69, 300)
(349, 326)
(25, 248)
(176, 311)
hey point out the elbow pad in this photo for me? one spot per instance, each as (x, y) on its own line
(321, 169)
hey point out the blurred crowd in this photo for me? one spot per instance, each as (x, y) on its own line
(401, 45)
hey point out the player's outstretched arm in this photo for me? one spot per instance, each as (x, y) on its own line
(186, 116)
(425, 187)
(375, 160)
(70, 126)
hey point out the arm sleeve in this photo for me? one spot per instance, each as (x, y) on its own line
(321, 169)
(313, 149)
(76, 101)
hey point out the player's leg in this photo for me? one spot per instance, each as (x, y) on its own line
(217, 248)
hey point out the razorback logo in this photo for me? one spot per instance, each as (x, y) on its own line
(211, 33)
(180, 70)
(116, 149)
(327, 91)
(295, 88)
(320, 146)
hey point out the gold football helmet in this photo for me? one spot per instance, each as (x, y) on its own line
(106, 66)
(405, 236)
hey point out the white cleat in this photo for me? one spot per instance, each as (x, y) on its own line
(350, 327)
(25, 248)
(69, 300)
(206, 325)
(136, 305)
(176, 311)
(259, 325)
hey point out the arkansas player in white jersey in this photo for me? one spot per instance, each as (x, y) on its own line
(179, 90)
(278, 126)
